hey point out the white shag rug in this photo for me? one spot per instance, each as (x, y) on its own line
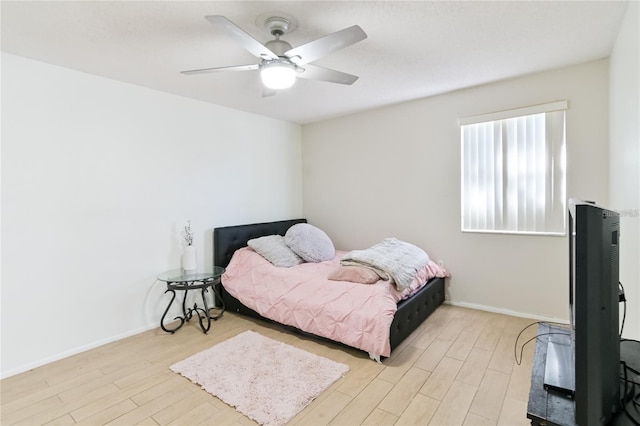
(266, 380)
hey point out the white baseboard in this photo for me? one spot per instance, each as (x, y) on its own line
(101, 342)
(74, 351)
(506, 312)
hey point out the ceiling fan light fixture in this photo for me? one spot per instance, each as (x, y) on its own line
(278, 75)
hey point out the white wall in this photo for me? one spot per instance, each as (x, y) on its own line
(98, 178)
(624, 185)
(395, 171)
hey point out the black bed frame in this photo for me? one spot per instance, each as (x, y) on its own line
(410, 314)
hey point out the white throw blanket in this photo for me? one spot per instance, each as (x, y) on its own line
(398, 260)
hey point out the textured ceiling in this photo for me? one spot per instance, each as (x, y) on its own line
(413, 50)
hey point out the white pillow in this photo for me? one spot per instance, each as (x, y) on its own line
(310, 243)
(274, 249)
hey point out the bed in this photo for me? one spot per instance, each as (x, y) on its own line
(409, 313)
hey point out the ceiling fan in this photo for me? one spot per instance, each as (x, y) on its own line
(281, 63)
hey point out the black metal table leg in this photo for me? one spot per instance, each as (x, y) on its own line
(173, 297)
(205, 311)
(186, 312)
(217, 296)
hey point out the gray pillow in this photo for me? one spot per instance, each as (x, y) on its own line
(274, 249)
(310, 243)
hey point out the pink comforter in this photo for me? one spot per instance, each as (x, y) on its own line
(358, 315)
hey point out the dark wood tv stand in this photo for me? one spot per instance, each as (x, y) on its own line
(548, 408)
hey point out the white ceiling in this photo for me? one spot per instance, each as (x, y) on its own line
(414, 49)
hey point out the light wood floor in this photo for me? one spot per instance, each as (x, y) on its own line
(458, 368)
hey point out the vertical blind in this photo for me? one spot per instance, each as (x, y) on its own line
(513, 171)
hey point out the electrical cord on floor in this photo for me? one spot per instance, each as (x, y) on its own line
(630, 394)
(633, 370)
(621, 298)
(515, 345)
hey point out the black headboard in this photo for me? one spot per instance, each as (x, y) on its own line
(228, 239)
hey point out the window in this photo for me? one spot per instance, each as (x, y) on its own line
(513, 171)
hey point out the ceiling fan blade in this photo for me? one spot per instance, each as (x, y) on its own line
(314, 72)
(216, 69)
(238, 34)
(323, 46)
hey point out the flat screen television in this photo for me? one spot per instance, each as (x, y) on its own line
(594, 234)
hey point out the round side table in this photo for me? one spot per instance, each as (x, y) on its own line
(181, 280)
